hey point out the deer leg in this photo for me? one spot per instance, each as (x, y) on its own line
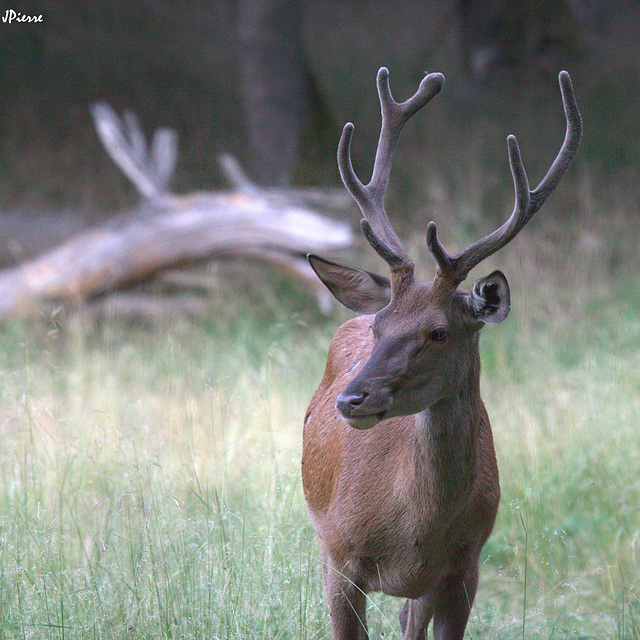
(453, 605)
(347, 606)
(415, 617)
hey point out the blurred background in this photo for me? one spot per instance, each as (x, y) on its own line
(273, 81)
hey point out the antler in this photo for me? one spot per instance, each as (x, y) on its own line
(370, 198)
(455, 268)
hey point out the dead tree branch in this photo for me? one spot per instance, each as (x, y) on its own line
(274, 226)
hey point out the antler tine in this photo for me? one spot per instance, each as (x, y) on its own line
(370, 198)
(527, 202)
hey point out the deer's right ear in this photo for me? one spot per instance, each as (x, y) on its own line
(358, 290)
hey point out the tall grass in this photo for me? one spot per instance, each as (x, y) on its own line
(150, 478)
(566, 413)
(149, 485)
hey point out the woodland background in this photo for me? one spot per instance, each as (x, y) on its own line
(273, 81)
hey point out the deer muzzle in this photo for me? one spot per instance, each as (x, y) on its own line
(361, 409)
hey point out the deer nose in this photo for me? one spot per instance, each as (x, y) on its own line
(347, 403)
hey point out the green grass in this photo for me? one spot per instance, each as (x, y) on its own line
(150, 483)
(566, 415)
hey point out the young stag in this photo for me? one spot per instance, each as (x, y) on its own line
(406, 507)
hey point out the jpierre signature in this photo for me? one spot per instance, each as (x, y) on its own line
(15, 16)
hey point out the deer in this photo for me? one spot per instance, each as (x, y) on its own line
(399, 470)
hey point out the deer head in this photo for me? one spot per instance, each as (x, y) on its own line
(425, 334)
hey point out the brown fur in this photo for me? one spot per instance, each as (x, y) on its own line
(389, 517)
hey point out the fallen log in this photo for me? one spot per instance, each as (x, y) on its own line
(274, 226)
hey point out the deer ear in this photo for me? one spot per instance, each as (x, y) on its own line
(358, 290)
(489, 300)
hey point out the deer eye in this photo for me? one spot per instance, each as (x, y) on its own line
(439, 334)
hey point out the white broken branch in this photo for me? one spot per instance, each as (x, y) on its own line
(273, 226)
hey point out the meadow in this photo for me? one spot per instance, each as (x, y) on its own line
(150, 483)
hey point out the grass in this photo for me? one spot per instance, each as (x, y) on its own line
(567, 442)
(148, 488)
(150, 483)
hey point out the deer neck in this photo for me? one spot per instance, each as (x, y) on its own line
(447, 439)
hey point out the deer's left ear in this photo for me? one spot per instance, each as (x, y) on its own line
(489, 300)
